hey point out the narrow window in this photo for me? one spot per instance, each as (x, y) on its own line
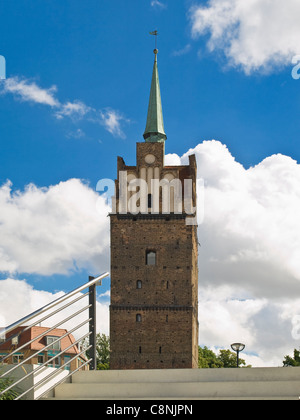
(149, 201)
(138, 318)
(139, 284)
(40, 359)
(151, 258)
(140, 349)
(160, 350)
(17, 358)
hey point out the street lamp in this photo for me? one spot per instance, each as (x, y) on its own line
(237, 347)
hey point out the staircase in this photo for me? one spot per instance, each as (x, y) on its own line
(183, 384)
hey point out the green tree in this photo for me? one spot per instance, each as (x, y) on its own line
(225, 359)
(228, 359)
(289, 361)
(12, 393)
(207, 359)
(102, 351)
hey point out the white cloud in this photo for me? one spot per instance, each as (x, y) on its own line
(111, 120)
(26, 300)
(256, 35)
(253, 213)
(158, 4)
(53, 230)
(185, 50)
(76, 110)
(30, 91)
(77, 134)
(249, 269)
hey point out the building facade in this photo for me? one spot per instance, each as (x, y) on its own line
(154, 269)
(58, 352)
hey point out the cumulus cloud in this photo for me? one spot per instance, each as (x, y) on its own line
(26, 300)
(253, 212)
(256, 35)
(53, 230)
(56, 230)
(249, 270)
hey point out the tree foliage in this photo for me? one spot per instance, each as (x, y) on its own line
(225, 359)
(207, 359)
(102, 351)
(290, 361)
(12, 393)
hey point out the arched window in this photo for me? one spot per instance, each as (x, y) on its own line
(138, 318)
(139, 284)
(151, 258)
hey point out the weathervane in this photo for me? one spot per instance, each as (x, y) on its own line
(155, 33)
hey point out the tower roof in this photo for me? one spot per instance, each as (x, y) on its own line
(155, 131)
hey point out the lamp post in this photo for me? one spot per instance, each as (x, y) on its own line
(237, 347)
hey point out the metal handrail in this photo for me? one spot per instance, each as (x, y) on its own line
(38, 384)
(45, 348)
(49, 306)
(64, 379)
(43, 334)
(91, 320)
(44, 318)
(44, 364)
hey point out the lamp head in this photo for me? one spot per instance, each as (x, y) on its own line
(238, 347)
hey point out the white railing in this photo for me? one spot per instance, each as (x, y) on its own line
(55, 307)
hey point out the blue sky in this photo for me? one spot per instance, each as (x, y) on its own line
(77, 88)
(101, 55)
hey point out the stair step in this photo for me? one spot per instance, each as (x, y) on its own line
(184, 390)
(183, 384)
(187, 375)
(261, 398)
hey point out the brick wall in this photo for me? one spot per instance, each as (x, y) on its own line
(163, 296)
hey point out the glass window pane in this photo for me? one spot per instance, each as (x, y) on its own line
(151, 258)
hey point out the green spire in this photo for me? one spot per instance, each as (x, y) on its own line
(155, 131)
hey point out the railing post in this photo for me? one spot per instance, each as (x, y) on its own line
(92, 325)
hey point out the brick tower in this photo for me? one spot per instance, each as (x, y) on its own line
(154, 271)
